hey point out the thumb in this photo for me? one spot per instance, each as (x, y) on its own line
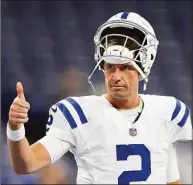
(19, 89)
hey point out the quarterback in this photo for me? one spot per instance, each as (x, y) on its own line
(121, 137)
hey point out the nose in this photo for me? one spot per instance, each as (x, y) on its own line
(117, 74)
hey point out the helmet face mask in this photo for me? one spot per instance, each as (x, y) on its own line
(117, 48)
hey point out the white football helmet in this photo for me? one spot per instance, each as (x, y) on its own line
(128, 27)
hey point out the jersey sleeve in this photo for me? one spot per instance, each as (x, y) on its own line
(57, 125)
(180, 122)
(59, 137)
(55, 147)
(172, 165)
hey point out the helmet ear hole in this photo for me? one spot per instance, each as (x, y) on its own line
(102, 50)
(152, 57)
(138, 58)
(101, 65)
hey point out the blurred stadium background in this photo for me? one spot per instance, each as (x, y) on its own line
(48, 46)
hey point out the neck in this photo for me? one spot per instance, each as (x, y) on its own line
(129, 103)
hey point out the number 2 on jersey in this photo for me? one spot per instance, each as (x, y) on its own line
(123, 152)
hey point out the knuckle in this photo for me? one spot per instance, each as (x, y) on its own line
(26, 119)
(16, 103)
(28, 105)
(10, 114)
(12, 107)
(15, 100)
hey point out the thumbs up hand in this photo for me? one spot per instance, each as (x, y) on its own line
(18, 112)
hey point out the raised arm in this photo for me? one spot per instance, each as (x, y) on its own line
(24, 158)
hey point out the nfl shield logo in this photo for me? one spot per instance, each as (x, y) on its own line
(133, 132)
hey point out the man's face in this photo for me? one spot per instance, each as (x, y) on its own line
(122, 80)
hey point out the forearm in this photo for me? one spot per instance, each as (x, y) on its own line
(26, 159)
(21, 155)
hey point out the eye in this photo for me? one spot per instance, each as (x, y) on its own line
(126, 67)
(108, 67)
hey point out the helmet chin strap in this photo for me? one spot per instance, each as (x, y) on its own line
(89, 81)
(145, 85)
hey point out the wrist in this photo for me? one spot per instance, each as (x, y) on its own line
(13, 126)
(17, 134)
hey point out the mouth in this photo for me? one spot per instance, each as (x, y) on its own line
(117, 86)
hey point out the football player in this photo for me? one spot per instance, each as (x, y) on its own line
(121, 137)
